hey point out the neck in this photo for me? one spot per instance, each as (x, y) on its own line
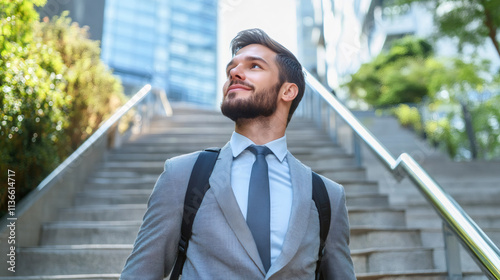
(261, 130)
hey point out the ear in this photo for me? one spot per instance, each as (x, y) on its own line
(288, 92)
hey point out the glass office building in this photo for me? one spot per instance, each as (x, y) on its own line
(169, 44)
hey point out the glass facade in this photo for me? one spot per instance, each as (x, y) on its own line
(169, 44)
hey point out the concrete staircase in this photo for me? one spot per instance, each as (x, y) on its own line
(474, 185)
(392, 236)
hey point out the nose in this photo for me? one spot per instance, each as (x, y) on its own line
(236, 73)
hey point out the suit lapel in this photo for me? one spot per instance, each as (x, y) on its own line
(299, 217)
(220, 182)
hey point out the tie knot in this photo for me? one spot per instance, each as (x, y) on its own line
(259, 150)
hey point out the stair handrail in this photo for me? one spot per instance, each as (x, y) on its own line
(469, 234)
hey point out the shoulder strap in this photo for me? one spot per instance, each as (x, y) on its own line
(197, 187)
(322, 201)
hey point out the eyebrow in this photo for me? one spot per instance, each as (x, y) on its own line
(248, 58)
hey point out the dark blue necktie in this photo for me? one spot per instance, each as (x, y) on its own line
(259, 204)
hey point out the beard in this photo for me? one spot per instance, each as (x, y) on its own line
(262, 103)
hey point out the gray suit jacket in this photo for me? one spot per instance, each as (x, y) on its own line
(222, 246)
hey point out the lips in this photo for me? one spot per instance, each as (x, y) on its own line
(237, 86)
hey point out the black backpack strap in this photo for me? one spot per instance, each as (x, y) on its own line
(197, 187)
(322, 201)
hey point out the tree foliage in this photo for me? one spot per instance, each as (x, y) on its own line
(93, 91)
(444, 86)
(398, 76)
(52, 87)
(469, 21)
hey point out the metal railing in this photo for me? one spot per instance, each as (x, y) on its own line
(58, 188)
(325, 109)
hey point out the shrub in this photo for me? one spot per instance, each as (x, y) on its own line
(55, 93)
(32, 104)
(93, 90)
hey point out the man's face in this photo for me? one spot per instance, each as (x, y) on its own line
(252, 85)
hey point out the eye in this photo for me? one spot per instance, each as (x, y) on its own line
(256, 66)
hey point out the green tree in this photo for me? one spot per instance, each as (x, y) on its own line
(409, 73)
(469, 85)
(398, 76)
(470, 21)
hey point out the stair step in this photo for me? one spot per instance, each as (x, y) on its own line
(175, 140)
(343, 173)
(392, 259)
(434, 236)
(358, 186)
(107, 180)
(133, 167)
(371, 216)
(76, 233)
(124, 157)
(72, 259)
(432, 220)
(122, 174)
(372, 199)
(120, 212)
(384, 237)
(106, 197)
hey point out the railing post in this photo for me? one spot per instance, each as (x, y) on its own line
(356, 146)
(313, 108)
(150, 110)
(309, 104)
(334, 130)
(327, 118)
(452, 254)
(319, 112)
(117, 137)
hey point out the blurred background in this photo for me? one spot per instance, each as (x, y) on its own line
(67, 65)
(423, 77)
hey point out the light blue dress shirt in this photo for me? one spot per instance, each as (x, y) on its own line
(280, 184)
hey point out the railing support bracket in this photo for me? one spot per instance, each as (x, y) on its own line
(452, 253)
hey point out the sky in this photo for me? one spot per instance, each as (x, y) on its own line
(276, 17)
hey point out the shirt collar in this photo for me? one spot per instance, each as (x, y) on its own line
(239, 143)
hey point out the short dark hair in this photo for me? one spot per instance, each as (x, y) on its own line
(290, 69)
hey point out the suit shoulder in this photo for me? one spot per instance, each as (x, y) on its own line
(330, 184)
(335, 190)
(182, 161)
(177, 170)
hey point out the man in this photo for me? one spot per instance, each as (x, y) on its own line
(264, 85)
